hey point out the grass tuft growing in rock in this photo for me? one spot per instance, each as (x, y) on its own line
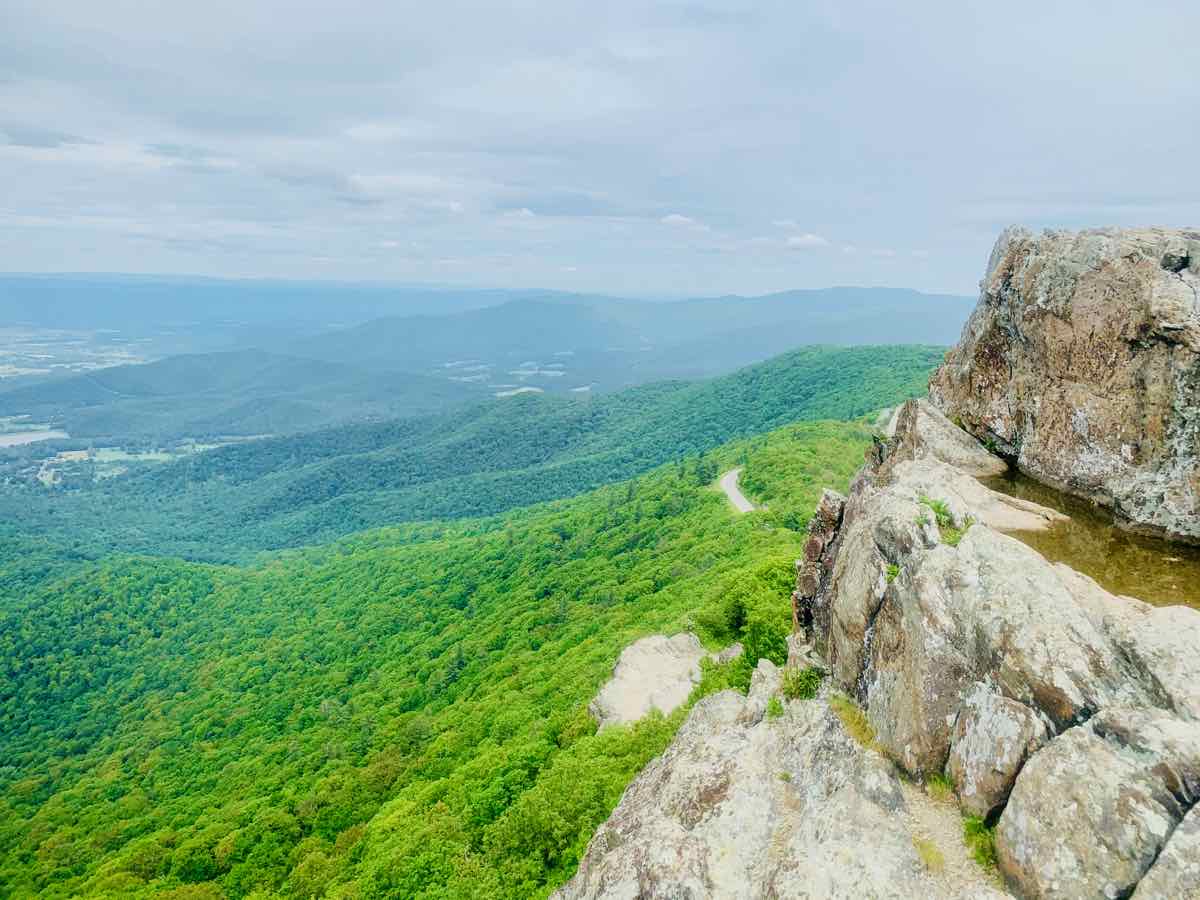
(892, 571)
(939, 787)
(854, 720)
(950, 533)
(981, 841)
(774, 708)
(802, 684)
(931, 856)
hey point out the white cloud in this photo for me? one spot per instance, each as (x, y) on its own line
(523, 213)
(807, 241)
(678, 221)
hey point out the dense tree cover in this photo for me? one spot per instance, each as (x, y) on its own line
(288, 492)
(397, 714)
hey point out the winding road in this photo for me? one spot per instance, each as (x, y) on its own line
(729, 484)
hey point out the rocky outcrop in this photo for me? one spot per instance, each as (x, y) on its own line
(1066, 717)
(746, 805)
(974, 655)
(656, 672)
(1081, 363)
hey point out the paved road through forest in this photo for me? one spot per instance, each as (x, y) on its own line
(729, 484)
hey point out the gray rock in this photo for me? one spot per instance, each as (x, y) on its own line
(1091, 812)
(746, 806)
(1175, 875)
(1082, 363)
(992, 739)
(926, 432)
(656, 672)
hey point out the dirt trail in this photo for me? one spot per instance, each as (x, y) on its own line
(940, 822)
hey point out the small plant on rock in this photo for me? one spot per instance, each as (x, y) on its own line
(950, 533)
(939, 787)
(774, 708)
(892, 571)
(802, 684)
(931, 856)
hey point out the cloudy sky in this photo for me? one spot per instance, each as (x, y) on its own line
(644, 148)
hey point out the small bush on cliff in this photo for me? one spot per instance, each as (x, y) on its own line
(802, 684)
(940, 510)
(939, 787)
(892, 571)
(774, 708)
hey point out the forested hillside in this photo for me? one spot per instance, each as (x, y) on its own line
(209, 395)
(400, 714)
(287, 492)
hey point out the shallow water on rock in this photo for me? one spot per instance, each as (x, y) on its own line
(1156, 571)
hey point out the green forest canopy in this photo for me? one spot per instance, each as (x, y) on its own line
(398, 714)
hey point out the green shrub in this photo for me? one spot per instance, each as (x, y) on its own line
(774, 708)
(950, 533)
(940, 510)
(892, 571)
(802, 684)
(981, 841)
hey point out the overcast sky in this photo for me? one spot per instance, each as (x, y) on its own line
(641, 148)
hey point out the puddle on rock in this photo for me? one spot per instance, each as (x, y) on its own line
(1153, 570)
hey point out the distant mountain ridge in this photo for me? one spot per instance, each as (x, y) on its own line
(610, 343)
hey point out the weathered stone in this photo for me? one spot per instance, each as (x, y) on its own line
(1175, 875)
(1082, 363)
(921, 431)
(656, 672)
(992, 739)
(813, 567)
(744, 806)
(1091, 812)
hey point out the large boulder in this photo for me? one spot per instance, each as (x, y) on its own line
(1081, 362)
(993, 737)
(745, 805)
(1092, 812)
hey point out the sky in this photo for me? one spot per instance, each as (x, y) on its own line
(655, 149)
